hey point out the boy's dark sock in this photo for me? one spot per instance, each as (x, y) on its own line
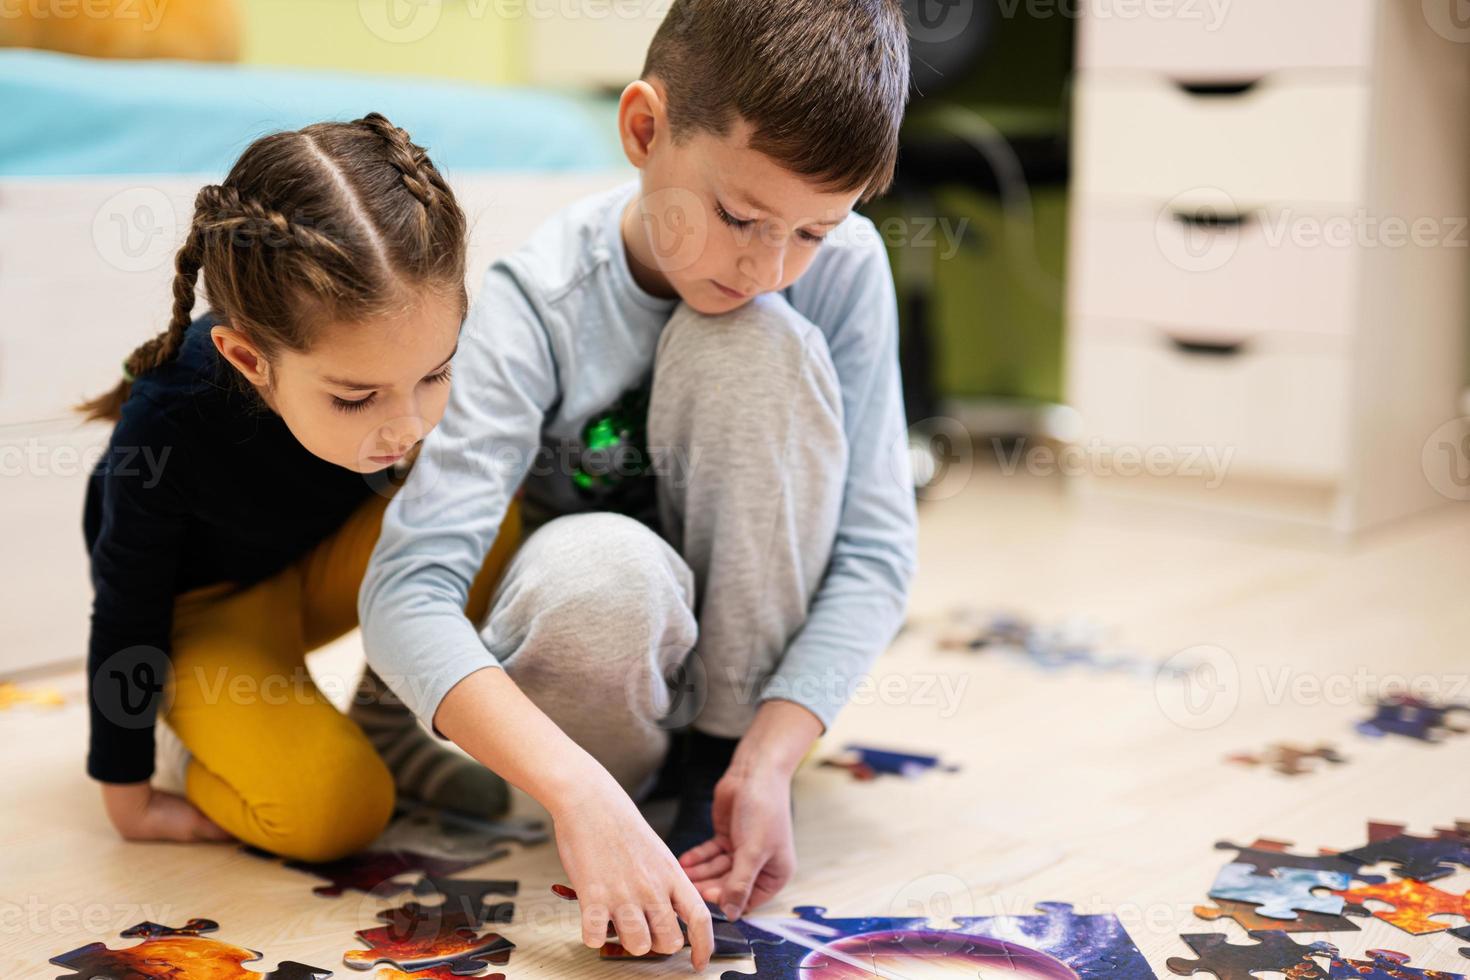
(704, 759)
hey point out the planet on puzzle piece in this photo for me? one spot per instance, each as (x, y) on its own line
(917, 955)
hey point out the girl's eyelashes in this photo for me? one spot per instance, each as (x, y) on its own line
(360, 404)
(813, 239)
(730, 219)
(357, 405)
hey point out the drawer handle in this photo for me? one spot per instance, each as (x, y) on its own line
(1218, 90)
(1209, 348)
(1206, 218)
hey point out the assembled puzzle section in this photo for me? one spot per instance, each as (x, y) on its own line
(1054, 944)
(167, 952)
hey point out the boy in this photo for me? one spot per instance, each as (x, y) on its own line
(758, 553)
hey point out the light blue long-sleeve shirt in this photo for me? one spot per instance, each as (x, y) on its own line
(558, 332)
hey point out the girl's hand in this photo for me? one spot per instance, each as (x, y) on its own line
(142, 813)
(622, 872)
(753, 853)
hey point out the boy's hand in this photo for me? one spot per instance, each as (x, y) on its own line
(753, 853)
(622, 872)
(140, 812)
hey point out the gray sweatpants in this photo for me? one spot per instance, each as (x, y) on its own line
(620, 635)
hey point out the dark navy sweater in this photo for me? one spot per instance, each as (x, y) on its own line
(201, 484)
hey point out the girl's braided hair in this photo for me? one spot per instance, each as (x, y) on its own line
(336, 222)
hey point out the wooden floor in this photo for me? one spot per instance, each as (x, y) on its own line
(1107, 792)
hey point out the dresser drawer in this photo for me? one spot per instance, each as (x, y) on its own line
(1197, 265)
(1271, 410)
(1295, 140)
(1229, 39)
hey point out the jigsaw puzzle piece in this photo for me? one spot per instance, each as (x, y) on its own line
(1094, 946)
(463, 951)
(1282, 893)
(468, 898)
(166, 952)
(1384, 964)
(1414, 718)
(374, 871)
(1271, 952)
(729, 938)
(1463, 933)
(444, 833)
(433, 973)
(1266, 855)
(1246, 916)
(865, 762)
(1420, 858)
(1414, 903)
(1289, 759)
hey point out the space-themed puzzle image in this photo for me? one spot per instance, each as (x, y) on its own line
(1056, 943)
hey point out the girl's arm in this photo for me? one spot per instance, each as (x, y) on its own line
(135, 521)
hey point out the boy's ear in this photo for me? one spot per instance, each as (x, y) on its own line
(244, 356)
(642, 118)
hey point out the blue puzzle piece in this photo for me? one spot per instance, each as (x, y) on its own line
(1282, 893)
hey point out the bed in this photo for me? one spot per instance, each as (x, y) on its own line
(99, 164)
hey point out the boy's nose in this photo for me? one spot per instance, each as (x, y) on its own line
(765, 268)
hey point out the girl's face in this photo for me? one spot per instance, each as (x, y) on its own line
(365, 393)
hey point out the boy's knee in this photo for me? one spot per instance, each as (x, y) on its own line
(761, 349)
(604, 566)
(332, 803)
(599, 582)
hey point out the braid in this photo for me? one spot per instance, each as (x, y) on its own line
(408, 158)
(165, 346)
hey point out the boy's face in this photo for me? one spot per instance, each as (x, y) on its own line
(717, 222)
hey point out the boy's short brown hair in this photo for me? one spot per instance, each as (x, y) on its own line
(823, 83)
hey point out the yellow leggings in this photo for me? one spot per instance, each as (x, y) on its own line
(274, 763)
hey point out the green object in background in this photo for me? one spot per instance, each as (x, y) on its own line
(996, 304)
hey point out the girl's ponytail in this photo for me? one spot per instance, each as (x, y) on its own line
(107, 407)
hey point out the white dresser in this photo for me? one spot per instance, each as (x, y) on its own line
(1270, 265)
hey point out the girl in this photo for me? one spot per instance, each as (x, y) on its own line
(232, 518)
